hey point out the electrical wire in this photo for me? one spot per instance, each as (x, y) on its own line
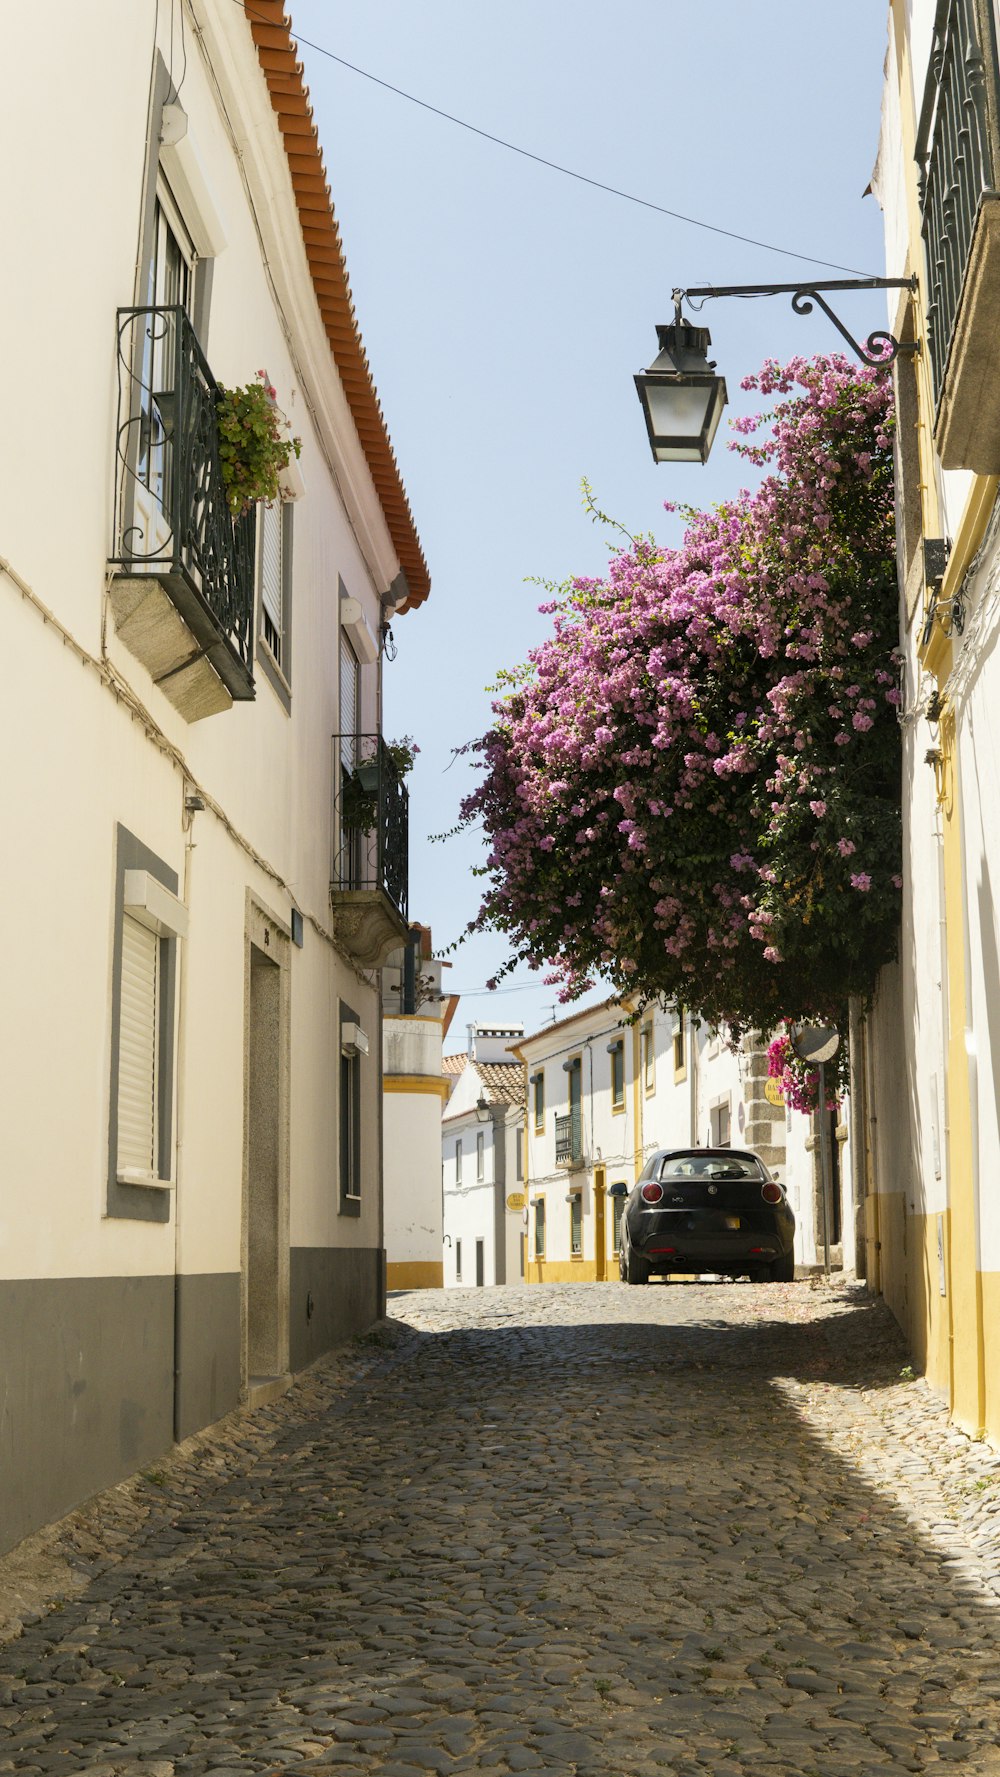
(554, 166)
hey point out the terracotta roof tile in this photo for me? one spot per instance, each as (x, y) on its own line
(503, 1081)
(277, 55)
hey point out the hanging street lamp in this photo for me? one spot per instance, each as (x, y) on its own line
(682, 396)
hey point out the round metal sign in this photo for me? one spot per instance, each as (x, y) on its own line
(773, 1092)
(516, 1200)
(814, 1043)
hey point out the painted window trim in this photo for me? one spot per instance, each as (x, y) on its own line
(539, 1204)
(681, 1033)
(145, 888)
(278, 673)
(538, 1100)
(647, 1048)
(575, 1202)
(349, 1164)
(617, 1048)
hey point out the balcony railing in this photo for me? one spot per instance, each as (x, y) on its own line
(371, 841)
(569, 1139)
(172, 519)
(957, 148)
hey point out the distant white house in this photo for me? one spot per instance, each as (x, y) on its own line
(603, 1092)
(482, 1145)
(416, 1018)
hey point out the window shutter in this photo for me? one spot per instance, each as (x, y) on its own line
(348, 699)
(271, 590)
(137, 1046)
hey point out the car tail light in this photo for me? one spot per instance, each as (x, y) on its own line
(771, 1192)
(652, 1193)
(671, 1251)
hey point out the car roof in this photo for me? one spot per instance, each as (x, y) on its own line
(707, 1154)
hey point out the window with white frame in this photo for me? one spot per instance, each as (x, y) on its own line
(458, 1162)
(149, 921)
(519, 1152)
(719, 1118)
(480, 1155)
(274, 555)
(576, 1225)
(458, 1261)
(617, 1052)
(352, 1045)
(648, 1059)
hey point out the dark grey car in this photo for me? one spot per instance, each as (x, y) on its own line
(707, 1209)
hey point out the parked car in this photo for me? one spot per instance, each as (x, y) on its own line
(707, 1209)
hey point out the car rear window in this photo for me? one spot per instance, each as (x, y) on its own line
(714, 1167)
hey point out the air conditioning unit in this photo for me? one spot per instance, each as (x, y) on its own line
(353, 1040)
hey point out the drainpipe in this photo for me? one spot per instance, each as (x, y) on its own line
(854, 1039)
(190, 809)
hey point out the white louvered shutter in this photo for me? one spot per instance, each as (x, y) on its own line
(271, 590)
(348, 701)
(137, 1045)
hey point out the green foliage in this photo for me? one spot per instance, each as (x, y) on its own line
(252, 445)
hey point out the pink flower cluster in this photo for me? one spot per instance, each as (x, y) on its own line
(674, 782)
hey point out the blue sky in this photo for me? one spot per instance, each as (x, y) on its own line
(506, 307)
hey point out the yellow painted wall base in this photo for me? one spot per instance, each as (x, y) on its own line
(565, 1271)
(911, 1286)
(415, 1274)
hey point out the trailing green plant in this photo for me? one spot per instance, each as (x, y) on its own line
(403, 753)
(254, 445)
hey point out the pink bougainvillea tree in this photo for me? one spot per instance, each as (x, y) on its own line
(691, 789)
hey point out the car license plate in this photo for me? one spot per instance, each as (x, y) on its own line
(730, 1221)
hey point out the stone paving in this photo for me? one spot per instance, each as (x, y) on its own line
(573, 1529)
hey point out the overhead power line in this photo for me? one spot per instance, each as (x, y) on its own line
(554, 166)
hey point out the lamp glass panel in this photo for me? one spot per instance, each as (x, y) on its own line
(677, 410)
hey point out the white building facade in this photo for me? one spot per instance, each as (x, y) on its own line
(191, 1037)
(416, 1018)
(604, 1092)
(928, 1054)
(482, 1147)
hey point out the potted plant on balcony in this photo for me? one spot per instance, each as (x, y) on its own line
(254, 443)
(360, 797)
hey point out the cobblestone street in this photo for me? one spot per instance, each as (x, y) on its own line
(571, 1528)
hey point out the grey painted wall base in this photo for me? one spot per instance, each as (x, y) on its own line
(208, 1350)
(88, 1390)
(87, 1369)
(348, 1294)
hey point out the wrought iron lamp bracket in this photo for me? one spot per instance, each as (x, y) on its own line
(879, 349)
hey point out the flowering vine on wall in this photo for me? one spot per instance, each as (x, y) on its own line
(692, 788)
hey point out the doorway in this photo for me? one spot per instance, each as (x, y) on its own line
(265, 1197)
(600, 1237)
(480, 1264)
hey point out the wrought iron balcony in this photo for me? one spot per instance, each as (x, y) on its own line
(183, 593)
(958, 150)
(370, 880)
(569, 1140)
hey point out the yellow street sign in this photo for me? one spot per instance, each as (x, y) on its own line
(516, 1200)
(773, 1092)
